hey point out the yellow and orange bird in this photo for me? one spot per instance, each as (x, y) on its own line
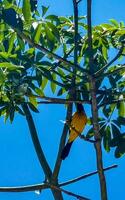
(78, 122)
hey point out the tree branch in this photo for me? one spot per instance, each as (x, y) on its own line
(40, 187)
(40, 154)
(69, 193)
(85, 176)
(58, 100)
(26, 188)
(37, 146)
(94, 108)
(99, 72)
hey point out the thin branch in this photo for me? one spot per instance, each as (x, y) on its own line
(40, 154)
(58, 100)
(85, 176)
(97, 74)
(26, 188)
(69, 193)
(40, 187)
(46, 51)
(64, 102)
(43, 162)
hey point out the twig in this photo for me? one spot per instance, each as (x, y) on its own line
(85, 176)
(26, 188)
(40, 187)
(69, 193)
(64, 102)
(58, 100)
(97, 74)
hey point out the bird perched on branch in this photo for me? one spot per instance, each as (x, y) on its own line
(77, 124)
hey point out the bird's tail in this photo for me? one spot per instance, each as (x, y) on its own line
(66, 150)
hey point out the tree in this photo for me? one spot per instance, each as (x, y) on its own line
(72, 56)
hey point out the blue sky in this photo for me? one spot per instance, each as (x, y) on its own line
(19, 164)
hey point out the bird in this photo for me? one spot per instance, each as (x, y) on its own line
(78, 122)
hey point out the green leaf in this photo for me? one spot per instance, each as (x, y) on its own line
(90, 133)
(120, 150)
(44, 83)
(37, 33)
(11, 42)
(44, 10)
(61, 91)
(18, 109)
(61, 72)
(115, 141)
(33, 101)
(39, 56)
(11, 113)
(39, 91)
(114, 22)
(47, 74)
(54, 30)
(107, 139)
(121, 110)
(26, 9)
(33, 108)
(21, 43)
(54, 18)
(50, 37)
(10, 66)
(53, 85)
(121, 120)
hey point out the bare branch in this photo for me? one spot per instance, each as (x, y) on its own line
(58, 100)
(69, 193)
(40, 187)
(26, 188)
(85, 176)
